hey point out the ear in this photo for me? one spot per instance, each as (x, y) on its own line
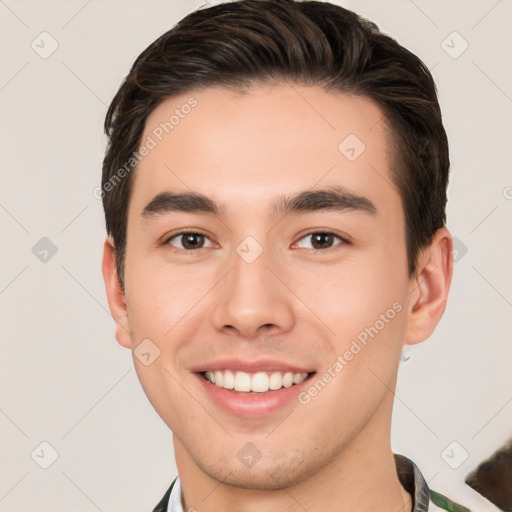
(428, 290)
(115, 294)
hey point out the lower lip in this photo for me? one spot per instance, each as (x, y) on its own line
(249, 405)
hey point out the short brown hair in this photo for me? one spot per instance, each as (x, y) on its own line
(313, 43)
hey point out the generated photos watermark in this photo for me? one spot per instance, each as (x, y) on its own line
(151, 142)
(357, 345)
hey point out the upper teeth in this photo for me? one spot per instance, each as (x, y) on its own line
(259, 382)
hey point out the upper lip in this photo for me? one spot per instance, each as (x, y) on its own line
(254, 366)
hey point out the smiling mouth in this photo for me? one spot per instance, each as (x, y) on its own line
(254, 383)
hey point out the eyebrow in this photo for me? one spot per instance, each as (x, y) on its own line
(334, 198)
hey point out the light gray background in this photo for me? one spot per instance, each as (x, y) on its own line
(64, 378)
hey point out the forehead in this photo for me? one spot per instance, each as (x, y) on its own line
(245, 148)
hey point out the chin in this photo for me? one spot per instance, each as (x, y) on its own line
(263, 475)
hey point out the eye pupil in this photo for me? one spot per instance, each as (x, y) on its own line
(193, 240)
(320, 240)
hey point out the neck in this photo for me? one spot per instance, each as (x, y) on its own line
(362, 478)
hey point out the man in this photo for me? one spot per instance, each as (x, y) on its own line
(274, 191)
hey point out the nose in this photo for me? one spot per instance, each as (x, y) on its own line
(253, 300)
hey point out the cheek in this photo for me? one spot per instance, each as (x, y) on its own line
(351, 297)
(160, 296)
(360, 371)
(363, 306)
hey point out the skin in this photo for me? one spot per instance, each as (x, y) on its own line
(294, 303)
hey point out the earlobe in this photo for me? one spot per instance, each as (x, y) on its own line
(115, 295)
(429, 288)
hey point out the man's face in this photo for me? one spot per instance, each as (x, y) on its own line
(260, 290)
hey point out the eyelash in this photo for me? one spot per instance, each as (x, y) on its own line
(343, 240)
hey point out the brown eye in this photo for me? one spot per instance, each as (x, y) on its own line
(188, 241)
(319, 240)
